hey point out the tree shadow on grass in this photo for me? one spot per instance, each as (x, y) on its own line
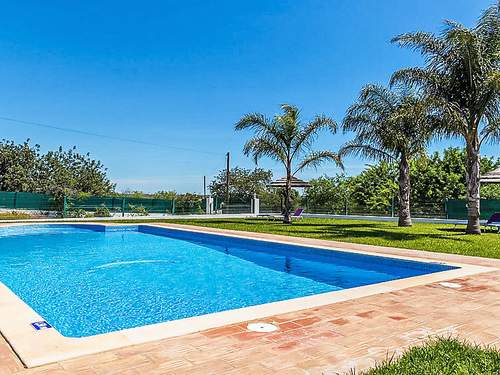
(334, 230)
(301, 224)
(453, 230)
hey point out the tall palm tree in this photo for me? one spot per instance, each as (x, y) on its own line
(287, 140)
(389, 126)
(462, 73)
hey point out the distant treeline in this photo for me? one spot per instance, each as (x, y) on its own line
(435, 178)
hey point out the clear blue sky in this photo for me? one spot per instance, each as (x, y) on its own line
(181, 73)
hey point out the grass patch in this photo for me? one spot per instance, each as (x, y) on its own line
(14, 216)
(444, 238)
(442, 357)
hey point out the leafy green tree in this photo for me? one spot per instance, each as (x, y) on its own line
(135, 194)
(438, 177)
(19, 166)
(287, 140)
(167, 195)
(62, 172)
(391, 126)
(329, 193)
(244, 183)
(189, 203)
(461, 74)
(435, 178)
(375, 187)
(68, 172)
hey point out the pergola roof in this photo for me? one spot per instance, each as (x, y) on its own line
(492, 177)
(295, 182)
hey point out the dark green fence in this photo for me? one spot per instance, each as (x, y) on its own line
(457, 209)
(78, 206)
(418, 209)
(121, 204)
(234, 206)
(451, 209)
(27, 201)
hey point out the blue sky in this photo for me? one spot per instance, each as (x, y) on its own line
(181, 73)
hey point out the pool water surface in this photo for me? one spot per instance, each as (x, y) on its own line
(90, 279)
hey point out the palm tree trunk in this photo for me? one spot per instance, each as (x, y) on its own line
(473, 186)
(404, 192)
(288, 197)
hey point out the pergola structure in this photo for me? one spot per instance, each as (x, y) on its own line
(492, 177)
(295, 183)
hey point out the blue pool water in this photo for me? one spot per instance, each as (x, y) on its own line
(86, 280)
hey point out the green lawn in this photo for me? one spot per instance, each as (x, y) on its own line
(14, 216)
(432, 237)
(442, 357)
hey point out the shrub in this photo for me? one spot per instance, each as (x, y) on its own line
(76, 212)
(138, 210)
(102, 211)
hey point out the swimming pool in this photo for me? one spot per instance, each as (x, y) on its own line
(86, 280)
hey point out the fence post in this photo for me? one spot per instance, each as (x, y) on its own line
(209, 205)
(392, 207)
(173, 206)
(65, 206)
(123, 207)
(255, 205)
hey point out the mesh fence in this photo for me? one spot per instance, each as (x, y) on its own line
(27, 201)
(98, 206)
(418, 209)
(450, 209)
(121, 204)
(235, 206)
(457, 209)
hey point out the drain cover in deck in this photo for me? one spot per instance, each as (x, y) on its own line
(450, 285)
(262, 327)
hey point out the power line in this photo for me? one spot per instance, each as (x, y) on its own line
(105, 136)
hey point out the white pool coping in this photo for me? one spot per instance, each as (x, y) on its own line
(36, 348)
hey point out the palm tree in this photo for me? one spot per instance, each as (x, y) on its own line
(389, 126)
(462, 74)
(286, 140)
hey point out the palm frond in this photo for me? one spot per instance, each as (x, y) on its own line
(308, 134)
(261, 126)
(423, 42)
(255, 121)
(284, 138)
(414, 77)
(389, 122)
(366, 151)
(458, 71)
(315, 159)
(258, 147)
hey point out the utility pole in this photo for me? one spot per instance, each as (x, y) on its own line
(227, 178)
(204, 186)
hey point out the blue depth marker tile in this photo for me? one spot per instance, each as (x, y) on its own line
(41, 325)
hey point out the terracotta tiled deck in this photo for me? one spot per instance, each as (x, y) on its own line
(325, 340)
